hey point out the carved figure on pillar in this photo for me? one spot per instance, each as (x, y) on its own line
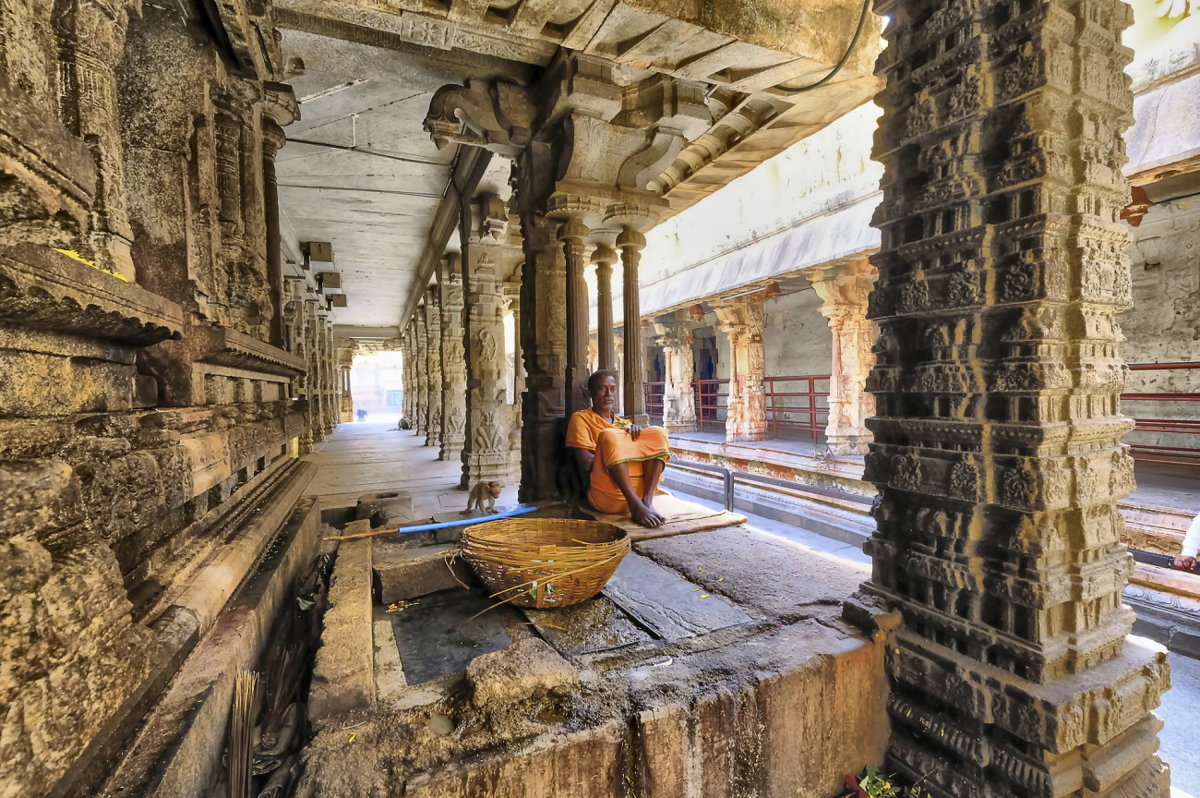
(673, 334)
(997, 432)
(844, 289)
(741, 319)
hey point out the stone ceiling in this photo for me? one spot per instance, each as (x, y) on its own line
(360, 171)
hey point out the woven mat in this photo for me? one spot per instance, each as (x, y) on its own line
(683, 517)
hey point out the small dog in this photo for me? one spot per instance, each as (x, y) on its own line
(483, 492)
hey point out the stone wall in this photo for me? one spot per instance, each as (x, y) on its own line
(1164, 324)
(797, 337)
(149, 371)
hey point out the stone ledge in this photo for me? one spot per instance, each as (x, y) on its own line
(408, 573)
(178, 749)
(225, 346)
(46, 290)
(343, 677)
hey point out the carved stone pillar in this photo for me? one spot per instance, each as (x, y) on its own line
(433, 365)
(281, 111)
(328, 372)
(573, 233)
(486, 453)
(421, 373)
(544, 348)
(997, 434)
(606, 353)
(409, 373)
(345, 360)
(512, 298)
(844, 289)
(454, 361)
(741, 319)
(673, 334)
(512, 304)
(92, 43)
(633, 393)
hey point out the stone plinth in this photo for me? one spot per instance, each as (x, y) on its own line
(748, 684)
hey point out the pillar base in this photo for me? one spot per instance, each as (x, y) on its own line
(1092, 732)
(503, 467)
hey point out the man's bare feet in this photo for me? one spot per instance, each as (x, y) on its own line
(646, 516)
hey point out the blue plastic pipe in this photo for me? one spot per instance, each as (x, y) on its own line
(520, 509)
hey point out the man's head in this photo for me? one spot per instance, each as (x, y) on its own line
(602, 387)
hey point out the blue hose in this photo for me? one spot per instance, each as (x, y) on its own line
(520, 509)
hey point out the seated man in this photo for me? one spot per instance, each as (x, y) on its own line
(620, 461)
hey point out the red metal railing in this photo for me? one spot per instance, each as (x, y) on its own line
(654, 401)
(798, 403)
(1154, 453)
(712, 399)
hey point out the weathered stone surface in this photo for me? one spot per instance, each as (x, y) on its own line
(387, 509)
(343, 676)
(997, 436)
(408, 573)
(670, 605)
(754, 569)
(525, 671)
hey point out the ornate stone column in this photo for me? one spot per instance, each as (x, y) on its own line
(844, 289)
(433, 365)
(741, 319)
(486, 452)
(674, 335)
(512, 304)
(329, 391)
(409, 374)
(997, 434)
(281, 110)
(91, 36)
(345, 360)
(633, 393)
(454, 361)
(421, 422)
(606, 352)
(573, 234)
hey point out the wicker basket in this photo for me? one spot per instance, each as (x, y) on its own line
(544, 562)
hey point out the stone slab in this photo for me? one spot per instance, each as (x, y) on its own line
(439, 634)
(451, 534)
(590, 626)
(408, 573)
(527, 670)
(667, 603)
(389, 508)
(683, 517)
(756, 569)
(344, 673)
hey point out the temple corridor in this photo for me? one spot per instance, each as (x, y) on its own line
(900, 300)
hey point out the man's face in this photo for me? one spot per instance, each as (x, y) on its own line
(605, 395)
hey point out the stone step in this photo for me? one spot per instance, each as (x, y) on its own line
(408, 573)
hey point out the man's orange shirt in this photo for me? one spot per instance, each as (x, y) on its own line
(583, 429)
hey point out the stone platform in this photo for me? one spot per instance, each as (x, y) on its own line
(716, 658)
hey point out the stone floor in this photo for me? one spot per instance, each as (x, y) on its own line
(373, 456)
(1181, 704)
(724, 640)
